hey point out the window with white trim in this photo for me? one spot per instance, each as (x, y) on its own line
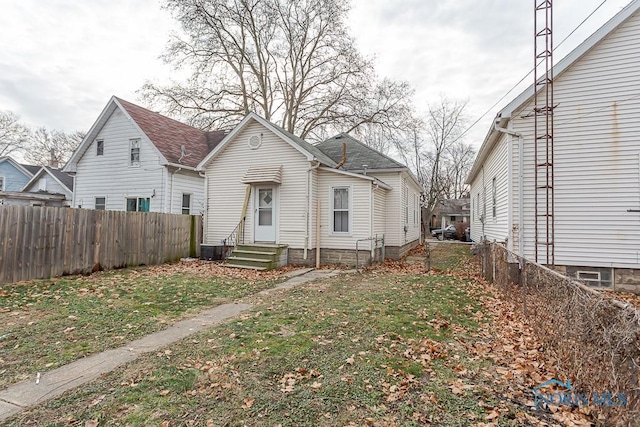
(100, 203)
(1, 183)
(99, 147)
(134, 152)
(138, 204)
(340, 209)
(186, 204)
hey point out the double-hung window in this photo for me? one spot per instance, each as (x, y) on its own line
(99, 147)
(138, 204)
(134, 152)
(100, 203)
(186, 204)
(340, 209)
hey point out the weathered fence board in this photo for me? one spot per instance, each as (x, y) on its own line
(44, 242)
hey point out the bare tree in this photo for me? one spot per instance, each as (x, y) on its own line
(440, 157)
(13, 134)
(52, 148)
(291, 61)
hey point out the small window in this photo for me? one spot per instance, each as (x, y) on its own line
(1, 183)
(186, 204)
(42, 184)
(100, 203)
(494, 190)
(134, 152)
(341, 210)
(99, 147)
(138, 204)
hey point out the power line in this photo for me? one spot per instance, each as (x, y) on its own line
(528, 74)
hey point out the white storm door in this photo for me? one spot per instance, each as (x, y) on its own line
(265, 215)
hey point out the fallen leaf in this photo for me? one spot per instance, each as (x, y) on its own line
(97, 400)
(248, 403)
(91, 423)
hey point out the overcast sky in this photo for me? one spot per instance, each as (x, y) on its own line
(61, 60)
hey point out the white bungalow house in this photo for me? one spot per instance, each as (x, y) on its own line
(270, 187)
(596, 163)
(136, 160)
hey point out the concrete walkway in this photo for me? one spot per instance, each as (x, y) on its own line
(53, 383)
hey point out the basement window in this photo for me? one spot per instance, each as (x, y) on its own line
(592, 276)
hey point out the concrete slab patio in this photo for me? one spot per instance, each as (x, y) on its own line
(53, 383)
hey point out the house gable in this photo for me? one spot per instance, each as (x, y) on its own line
(51, 181)
(14, 175)
(307, 150)
(229, 170)
(111, 174)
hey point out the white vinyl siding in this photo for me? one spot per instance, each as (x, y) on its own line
(225, 190)
(379, 211)
(393, 223)
(397, 210)
(597, 123)
(495, 171)
(186, 182)
(360, 210)
(596, 159)
(110, 174)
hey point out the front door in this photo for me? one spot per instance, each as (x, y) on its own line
(265, 214)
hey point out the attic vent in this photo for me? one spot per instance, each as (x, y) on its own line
(255, 141)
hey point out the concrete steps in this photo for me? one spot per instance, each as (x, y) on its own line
(258, 256)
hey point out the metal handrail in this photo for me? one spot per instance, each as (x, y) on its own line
(236, 236)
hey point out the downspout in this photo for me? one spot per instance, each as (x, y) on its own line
(371, 216)
(206, 206)
(309, 207)
(520, 184)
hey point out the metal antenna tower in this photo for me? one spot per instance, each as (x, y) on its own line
(543, 132)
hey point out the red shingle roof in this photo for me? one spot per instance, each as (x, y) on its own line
(168, 135)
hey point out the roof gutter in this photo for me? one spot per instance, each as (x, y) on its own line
(179, 166)
(520, 137)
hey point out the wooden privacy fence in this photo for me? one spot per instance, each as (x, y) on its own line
(44, 242)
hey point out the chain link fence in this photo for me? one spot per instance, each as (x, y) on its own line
(594, 336)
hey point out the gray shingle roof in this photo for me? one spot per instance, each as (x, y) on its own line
(31, 168)
(358, 154)
(313, 149)
(63, 177)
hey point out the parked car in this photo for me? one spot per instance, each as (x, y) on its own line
(450, 232)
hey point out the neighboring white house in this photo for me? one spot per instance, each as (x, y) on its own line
(136, 160)
(327, 196)
(596, 163)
